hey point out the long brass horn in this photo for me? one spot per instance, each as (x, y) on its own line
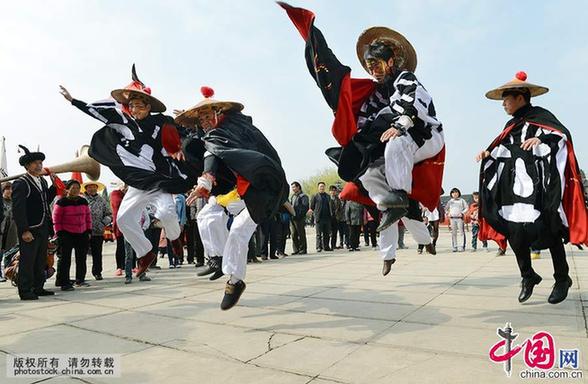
(83, 163)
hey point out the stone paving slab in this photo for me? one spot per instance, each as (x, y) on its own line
(319, 318)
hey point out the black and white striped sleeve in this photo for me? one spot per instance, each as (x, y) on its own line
(105, 111)
(413, 108)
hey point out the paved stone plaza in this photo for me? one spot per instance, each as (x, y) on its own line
(320, 318)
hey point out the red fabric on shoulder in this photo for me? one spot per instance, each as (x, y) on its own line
(170, 138)
(242, 185)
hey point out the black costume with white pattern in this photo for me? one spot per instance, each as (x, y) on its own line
(133, 149)
(521, 191)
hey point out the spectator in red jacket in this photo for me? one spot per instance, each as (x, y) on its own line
(73, 225)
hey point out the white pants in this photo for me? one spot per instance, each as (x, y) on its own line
(231, 245)
(394, 172)
(389, 237)
(212, 225)
(131, 209)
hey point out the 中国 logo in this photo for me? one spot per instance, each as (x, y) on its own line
(539, 354)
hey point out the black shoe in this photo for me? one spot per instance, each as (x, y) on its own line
(560, 291)
(28, 296)
(328, 250)
(254, 260)
(67, 288)
(527, 286)
(395, 199)
(387, 266)
(295, 252)
(198, 265)
(218, 273)
(319, 250)
(390, 216)
(302, 253)
(212, 266)
(44, 292)
(99, 277)
(431, 249)
(232, 294)
(274, 257)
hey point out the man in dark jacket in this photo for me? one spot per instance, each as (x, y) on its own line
(31, 197)
(299, 201)
(338, 215)
(322, 208)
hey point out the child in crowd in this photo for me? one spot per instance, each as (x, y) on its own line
(455, 209)
(473, 214)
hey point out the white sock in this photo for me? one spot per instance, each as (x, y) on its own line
(233, 280)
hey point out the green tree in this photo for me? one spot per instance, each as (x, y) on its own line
(328, 175)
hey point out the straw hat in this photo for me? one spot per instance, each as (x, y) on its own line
(405, 57)
(520, 83)
(100, 186)
(137, 90)
(189, 116)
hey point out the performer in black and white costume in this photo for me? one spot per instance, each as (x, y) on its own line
(530, 189)
(143, 148)
(401, 103)
(237, 156)
(391, 140)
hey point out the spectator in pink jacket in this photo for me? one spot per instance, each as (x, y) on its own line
(73, 225)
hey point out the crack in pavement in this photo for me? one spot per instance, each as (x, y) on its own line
(270, 349)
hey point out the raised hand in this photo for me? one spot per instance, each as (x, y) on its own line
(482, 155)
(65, 93)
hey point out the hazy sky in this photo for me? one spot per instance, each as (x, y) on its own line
(250, 52)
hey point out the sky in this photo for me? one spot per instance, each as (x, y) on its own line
(249, 51)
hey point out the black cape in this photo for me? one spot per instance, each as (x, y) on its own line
(243, 150)
(498, 178)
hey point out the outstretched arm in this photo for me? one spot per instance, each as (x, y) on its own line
(105, 111)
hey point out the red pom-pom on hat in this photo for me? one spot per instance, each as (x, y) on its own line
(207, 92)
(522, 76)
(147, 90)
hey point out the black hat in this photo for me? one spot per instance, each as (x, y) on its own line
(29, 156)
